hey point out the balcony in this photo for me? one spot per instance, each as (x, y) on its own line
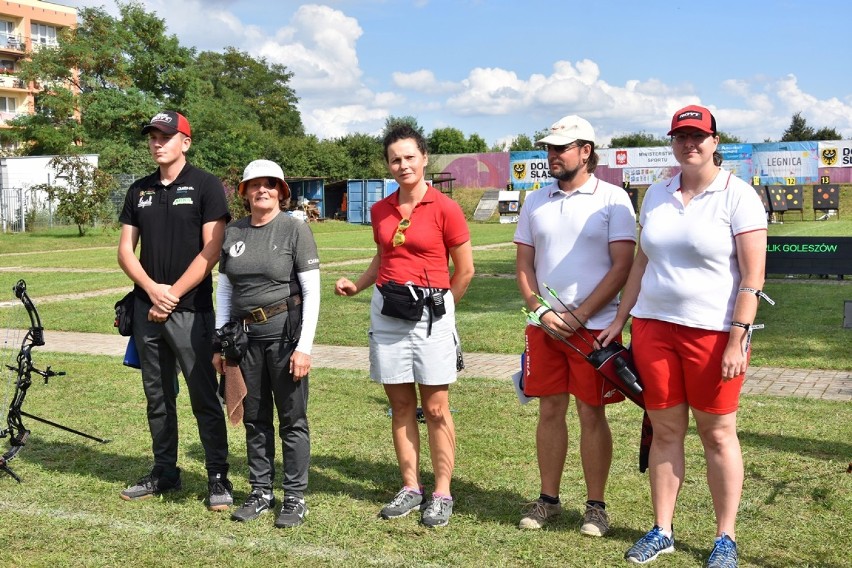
(12, 42)
(40, 43)
(9, 81)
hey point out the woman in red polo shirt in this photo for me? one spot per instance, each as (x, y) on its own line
(412, 318)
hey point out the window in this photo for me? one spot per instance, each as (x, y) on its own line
(7, 66)
(7, 104)
(42, 35)
(7, 35)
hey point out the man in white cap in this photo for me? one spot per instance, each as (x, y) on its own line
(178, 216)
(577, 236)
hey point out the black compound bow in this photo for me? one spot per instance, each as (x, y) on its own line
(15, 429)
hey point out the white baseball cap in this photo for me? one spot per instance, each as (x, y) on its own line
(261, 169)
(567, 130)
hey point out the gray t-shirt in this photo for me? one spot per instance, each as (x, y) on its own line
(262, 262)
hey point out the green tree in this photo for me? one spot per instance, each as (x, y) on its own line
(307, 156)
(85, 198)
(103, 80)
(522, 143)
(798, 130)
(826, 133)
(539, 134)
(224, 131)
(447, 140)
(392, 121)
(128, 68)
(476, 144)
(638, 140)
(365, 155)
(725, 138)
(261, 88)
(52, 129)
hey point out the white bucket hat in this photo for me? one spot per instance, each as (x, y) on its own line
(261, 169)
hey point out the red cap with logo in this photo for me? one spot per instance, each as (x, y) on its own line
(694, 116)
(170, 122)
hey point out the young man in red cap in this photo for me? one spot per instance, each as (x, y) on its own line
(577, 236)
(178, 216)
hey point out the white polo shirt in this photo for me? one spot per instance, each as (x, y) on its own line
(571, 233)
(693, 275)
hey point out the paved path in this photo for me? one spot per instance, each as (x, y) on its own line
(827, 385)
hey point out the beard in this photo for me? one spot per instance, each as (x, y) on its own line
(565, 174)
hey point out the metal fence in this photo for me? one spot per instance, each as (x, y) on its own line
(25, 209)
(22, 209)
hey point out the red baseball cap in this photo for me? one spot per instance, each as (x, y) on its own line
(170, 122)
(694, 116)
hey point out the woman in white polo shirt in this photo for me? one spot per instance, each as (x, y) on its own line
(693, 293)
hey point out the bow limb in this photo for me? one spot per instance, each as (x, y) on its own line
(15, 429)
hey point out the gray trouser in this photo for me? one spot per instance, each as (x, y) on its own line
(184, 339)
(266, 369)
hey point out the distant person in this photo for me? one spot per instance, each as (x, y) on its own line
(178, 215)
(269, 284)
(576, 235)
(693, 294)
(412, 319)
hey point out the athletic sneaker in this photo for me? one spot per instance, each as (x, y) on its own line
(724, 553)
(153, 484)
(537, 514)
(650, 546)
(219, 492)
(595, 521)
(255, 505)
(292, 514)
(404, 502)
(437, 512)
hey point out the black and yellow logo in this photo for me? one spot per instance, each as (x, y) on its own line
(519, 170)
(829, 156)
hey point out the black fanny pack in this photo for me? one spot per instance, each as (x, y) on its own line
(403, 301)
(124, 315)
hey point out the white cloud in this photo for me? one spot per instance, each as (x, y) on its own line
(319, 44)
(334, 122)
(423, 81)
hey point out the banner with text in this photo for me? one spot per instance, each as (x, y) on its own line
(809, 255)
(835, 154)
(529, 170)
(654, 157)
(737, 159)
(786, 163)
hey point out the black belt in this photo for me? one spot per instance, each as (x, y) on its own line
(260, 315)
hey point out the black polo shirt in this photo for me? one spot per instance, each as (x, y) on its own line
(169, 219)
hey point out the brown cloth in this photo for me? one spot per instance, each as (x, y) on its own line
(235, 392)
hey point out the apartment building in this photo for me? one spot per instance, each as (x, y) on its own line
(26, 25)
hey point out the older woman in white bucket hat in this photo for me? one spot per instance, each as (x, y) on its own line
(269, 291)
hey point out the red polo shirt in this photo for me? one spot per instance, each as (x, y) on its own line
(437, 225)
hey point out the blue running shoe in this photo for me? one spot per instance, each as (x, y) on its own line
(650, 546)
(724, 553)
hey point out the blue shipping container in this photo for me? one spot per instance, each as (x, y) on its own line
(362, 194)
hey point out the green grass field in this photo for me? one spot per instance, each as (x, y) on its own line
(795, 511)
(796, 508)
(803, 330)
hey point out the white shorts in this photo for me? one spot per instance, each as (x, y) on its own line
(401, 353)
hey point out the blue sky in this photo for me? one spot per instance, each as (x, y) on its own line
(503, 68)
